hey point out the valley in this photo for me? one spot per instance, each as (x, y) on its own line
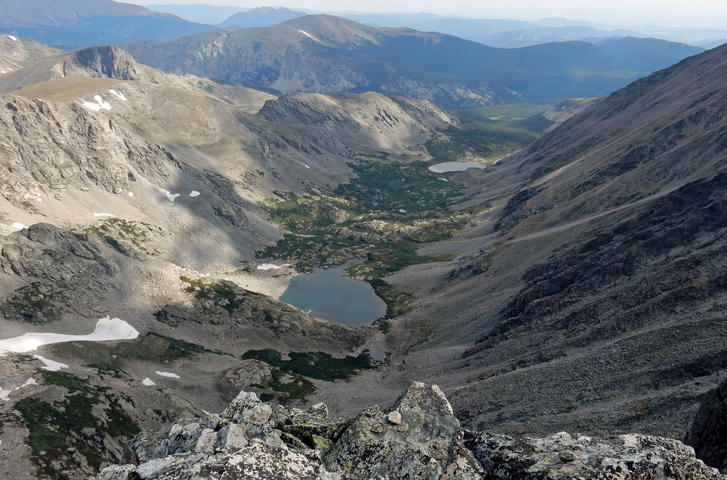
(152, 219)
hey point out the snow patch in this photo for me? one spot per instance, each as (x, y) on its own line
(306, 166)
(131, 194)
(401, 210)
(4, 394)
(119, 95)
(18, 226)
(148, 382)
(271, 266)
(107, 329)
(100, 103)
(28, 382)
(168, 374)
(171, 196)
(104, 215)
(12, 38)
(194, 193)
(50, 365)
(202, 274)
(38, 199)
(309, 35)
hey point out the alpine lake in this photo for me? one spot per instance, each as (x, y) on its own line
(328, 294)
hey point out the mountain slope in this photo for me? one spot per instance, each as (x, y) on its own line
(590, 296)
(322, 54)
(139, 201)
(16, 53)
(75, 23)
(109, 61)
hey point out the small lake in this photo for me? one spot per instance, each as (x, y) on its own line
(328, 294)
(454, 166)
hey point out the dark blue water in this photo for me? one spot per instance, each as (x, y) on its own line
(328, 294)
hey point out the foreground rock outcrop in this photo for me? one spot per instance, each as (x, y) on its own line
(708, 433)
(416, 438)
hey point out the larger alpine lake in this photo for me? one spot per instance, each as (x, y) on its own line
(328, 294)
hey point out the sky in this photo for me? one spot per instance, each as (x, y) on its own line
(669, 13)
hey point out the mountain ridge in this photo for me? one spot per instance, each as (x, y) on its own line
(74, 23)
(325, 54)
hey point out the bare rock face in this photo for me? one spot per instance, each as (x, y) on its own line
(708, 433)
(65, 271)
(418, 437)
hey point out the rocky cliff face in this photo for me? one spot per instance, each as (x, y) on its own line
(417, 437)
(708, 433)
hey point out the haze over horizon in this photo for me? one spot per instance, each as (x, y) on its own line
(622, 13)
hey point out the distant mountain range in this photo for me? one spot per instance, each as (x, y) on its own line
(199, 13)
(75, 23)
(515, 33)
(497, 33)
(260, 17)
(323, 53)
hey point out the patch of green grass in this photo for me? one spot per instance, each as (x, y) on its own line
(126, 229)
(386, 258)
(318, 365)
(177, 349)
(304, 365)
(307, 213)
(397, 303)
(66, 380)
(298, 388)
(328, 230)
(71, 423)
(392, 187)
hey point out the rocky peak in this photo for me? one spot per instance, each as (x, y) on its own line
(108, 61)
(418, 437)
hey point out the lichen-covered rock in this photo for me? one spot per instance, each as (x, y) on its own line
(425, 444)
(626, 457)
(417, 438)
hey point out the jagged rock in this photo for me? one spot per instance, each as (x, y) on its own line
(207, 442)
(418, 438)
(247, 407)
(627, 457)
(426, 448)
(232, 437)
(708, 433)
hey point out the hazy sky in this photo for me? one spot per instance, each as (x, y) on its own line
(681, 13)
